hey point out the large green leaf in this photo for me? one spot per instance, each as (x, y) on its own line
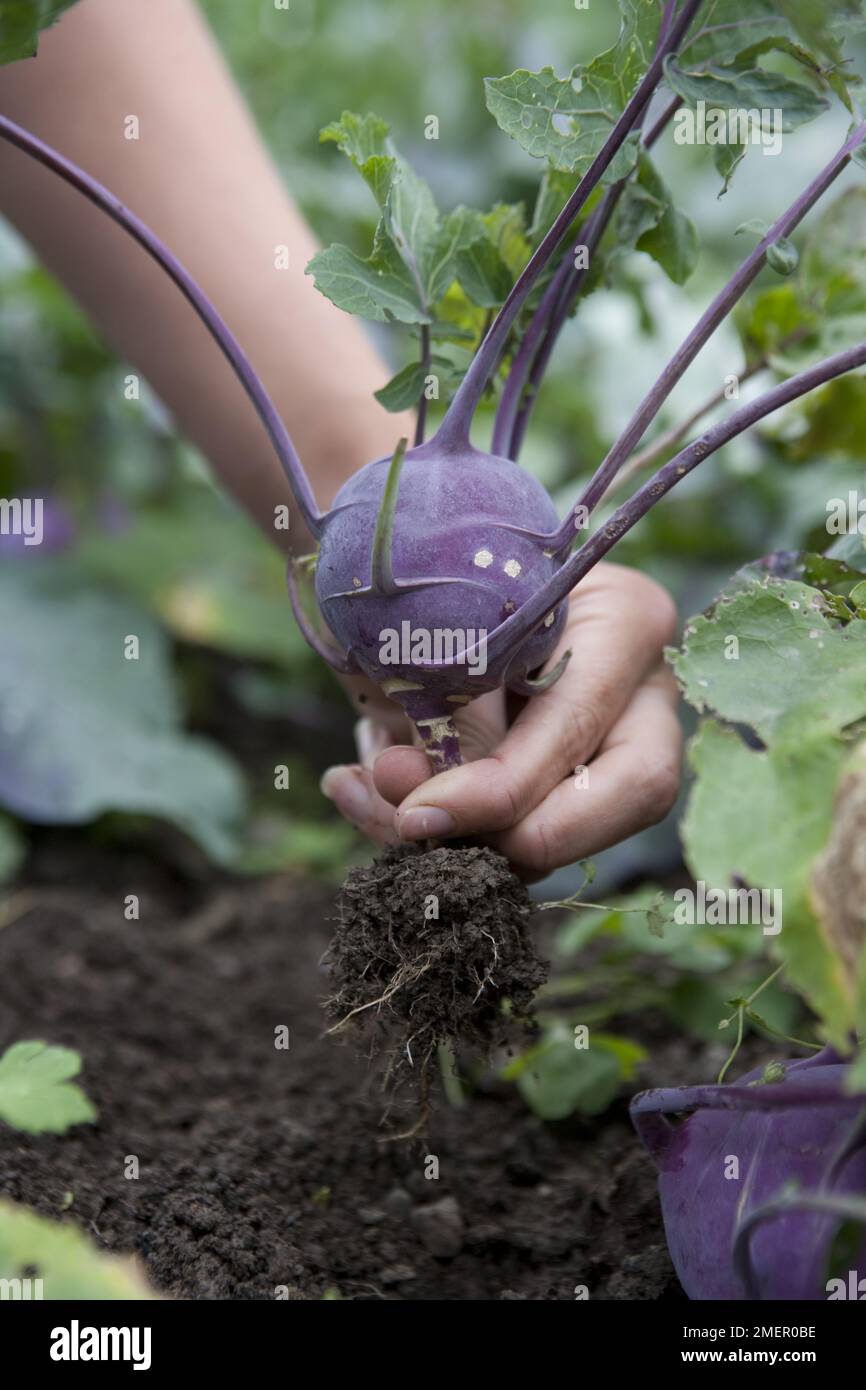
(768, 656)
(69, 1265)
(37, 1094)
(760, 819)
(566, 120)
(83, 730)
(786, 657)
(21, 22)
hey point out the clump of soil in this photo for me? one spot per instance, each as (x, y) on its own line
(433, 948)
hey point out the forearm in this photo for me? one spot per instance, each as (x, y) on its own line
(200, 177)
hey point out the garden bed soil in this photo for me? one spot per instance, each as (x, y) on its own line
(263, 1168)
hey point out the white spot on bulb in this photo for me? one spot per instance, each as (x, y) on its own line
(483, 559)
(512, 568)
(550, 620)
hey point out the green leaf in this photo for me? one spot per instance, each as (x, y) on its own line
(672, 240)
(378, 288)
(834, 421)
(505, 225)
(403, 390)
(727, 31)
(648, 221)
(834, 259)
(719, 64)
(483, 274)
(760, 819)
(775, 325)
(556, 1078)
(567, 120)
(111, 738)
(747, 90)
(70, 1265)
(727, 159)
(850, 550)
(364, 140)
(782, 255)
(36, 1092)
(414, 255)
(554, 191)
(795, 676)
(21, 22)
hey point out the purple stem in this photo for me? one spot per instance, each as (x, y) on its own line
(565, 283)
(571, 289)
(453, 433)
(682, 1100)
(422, 403)
(667, 21)
(219, 330)
(703, 329)
(510, 634)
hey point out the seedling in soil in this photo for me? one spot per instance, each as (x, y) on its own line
(37, 1093)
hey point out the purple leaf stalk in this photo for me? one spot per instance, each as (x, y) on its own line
(443, 571)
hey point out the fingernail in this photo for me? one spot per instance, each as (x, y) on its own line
(425, 823)
(346, 788)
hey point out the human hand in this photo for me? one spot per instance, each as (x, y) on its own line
(612, 714)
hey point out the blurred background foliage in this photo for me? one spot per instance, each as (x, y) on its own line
(136, 520)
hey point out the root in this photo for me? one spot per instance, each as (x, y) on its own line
(430, 946)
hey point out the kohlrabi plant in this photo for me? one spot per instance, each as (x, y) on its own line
(443, 537)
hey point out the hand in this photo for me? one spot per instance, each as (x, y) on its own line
(612, 713)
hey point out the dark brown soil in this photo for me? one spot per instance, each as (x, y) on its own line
(262, 1167)
(433, 947)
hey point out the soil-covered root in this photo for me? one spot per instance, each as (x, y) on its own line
(433, 947)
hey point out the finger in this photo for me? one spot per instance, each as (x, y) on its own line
(351, 789)
(400, 770)
(620, 622)
(632, 783)
(372, 737)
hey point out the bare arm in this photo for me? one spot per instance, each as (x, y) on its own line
(200, 176)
